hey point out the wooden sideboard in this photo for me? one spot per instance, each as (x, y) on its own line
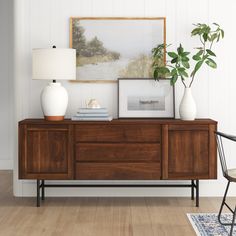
(123, 149)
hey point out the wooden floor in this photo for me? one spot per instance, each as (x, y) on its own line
(97, 216)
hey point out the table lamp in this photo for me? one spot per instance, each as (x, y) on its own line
(54, 64)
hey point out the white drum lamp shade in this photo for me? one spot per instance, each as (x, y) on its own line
(54, 64)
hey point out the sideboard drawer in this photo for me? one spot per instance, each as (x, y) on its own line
(118, 171)
(117, 133)
(118, 152)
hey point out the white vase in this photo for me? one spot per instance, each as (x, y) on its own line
(54, 101)
(187, 108)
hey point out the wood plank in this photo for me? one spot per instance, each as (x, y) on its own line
(117, 133)
(118, 171)
(212, 152)
(164, 146)
(123, 121)
(188, 154)
(89, 215)
(118, 152)
(46, 153)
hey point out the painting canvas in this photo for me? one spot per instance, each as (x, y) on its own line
(145, 98)
(111, 48)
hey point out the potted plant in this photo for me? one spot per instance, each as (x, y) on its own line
(178, 66)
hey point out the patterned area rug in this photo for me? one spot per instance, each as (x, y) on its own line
(207, 224)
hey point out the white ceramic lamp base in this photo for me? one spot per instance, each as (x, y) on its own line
(54, 101)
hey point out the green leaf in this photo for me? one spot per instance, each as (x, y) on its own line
(183, 73)
(155, 74)
(211, 63)
(199, 48)
(216, 24)
(181, 69)
(205, 36)
(173, 72)
(222, 33)
(164, 70)
(197, 66)
(186, 54)
(172, 54)
(173, 80)
(196, 58)
(180, 49)
(200, 52)
(195, 31)
(174, 60)
(211, 53)
(213, 37)
(186, 64)
(184, 59)
(208, 29)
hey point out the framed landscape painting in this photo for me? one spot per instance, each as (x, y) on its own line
(145, 98)
(112, 48)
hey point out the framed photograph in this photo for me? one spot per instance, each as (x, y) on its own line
(112, 48)
(145, 98)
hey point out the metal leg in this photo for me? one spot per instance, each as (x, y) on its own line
(192, 189)
(43, 190)
(222, 204)
(42, 184)
(38, 193)
(197, 193)
(232, 226)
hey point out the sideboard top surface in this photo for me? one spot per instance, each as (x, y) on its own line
(122, 121)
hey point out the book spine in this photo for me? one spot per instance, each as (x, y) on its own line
(91, 118)
(93, 111)
(92, 115)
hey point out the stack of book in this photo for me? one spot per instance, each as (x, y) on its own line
(92, 114)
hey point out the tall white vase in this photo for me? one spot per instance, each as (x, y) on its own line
(187, 108)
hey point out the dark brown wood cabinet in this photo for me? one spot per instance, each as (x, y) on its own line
(46, 151)
(117, 150)
(124, 149)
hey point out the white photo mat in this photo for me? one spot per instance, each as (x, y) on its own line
(145, 98)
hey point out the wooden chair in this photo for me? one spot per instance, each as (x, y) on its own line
(229, 174)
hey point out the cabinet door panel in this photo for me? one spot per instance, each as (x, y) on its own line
(188, 154)
(46, 153)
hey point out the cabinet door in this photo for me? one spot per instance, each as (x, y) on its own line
(46, 152)
(191, 152)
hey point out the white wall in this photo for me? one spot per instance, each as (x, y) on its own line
(6, 84)
(42, 23)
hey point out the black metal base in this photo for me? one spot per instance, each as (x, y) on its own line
(232, 224)
(42, 186)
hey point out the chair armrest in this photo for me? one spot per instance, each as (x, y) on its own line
(228, 136)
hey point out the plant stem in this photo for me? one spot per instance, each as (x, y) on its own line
(211, 44)
(201, 40)
(182, 79)
(192, 80)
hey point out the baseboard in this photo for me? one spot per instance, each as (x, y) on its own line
(6, 164)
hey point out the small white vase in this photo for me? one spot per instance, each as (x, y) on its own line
(187, 108)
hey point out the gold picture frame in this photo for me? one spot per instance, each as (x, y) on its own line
(82, 35)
